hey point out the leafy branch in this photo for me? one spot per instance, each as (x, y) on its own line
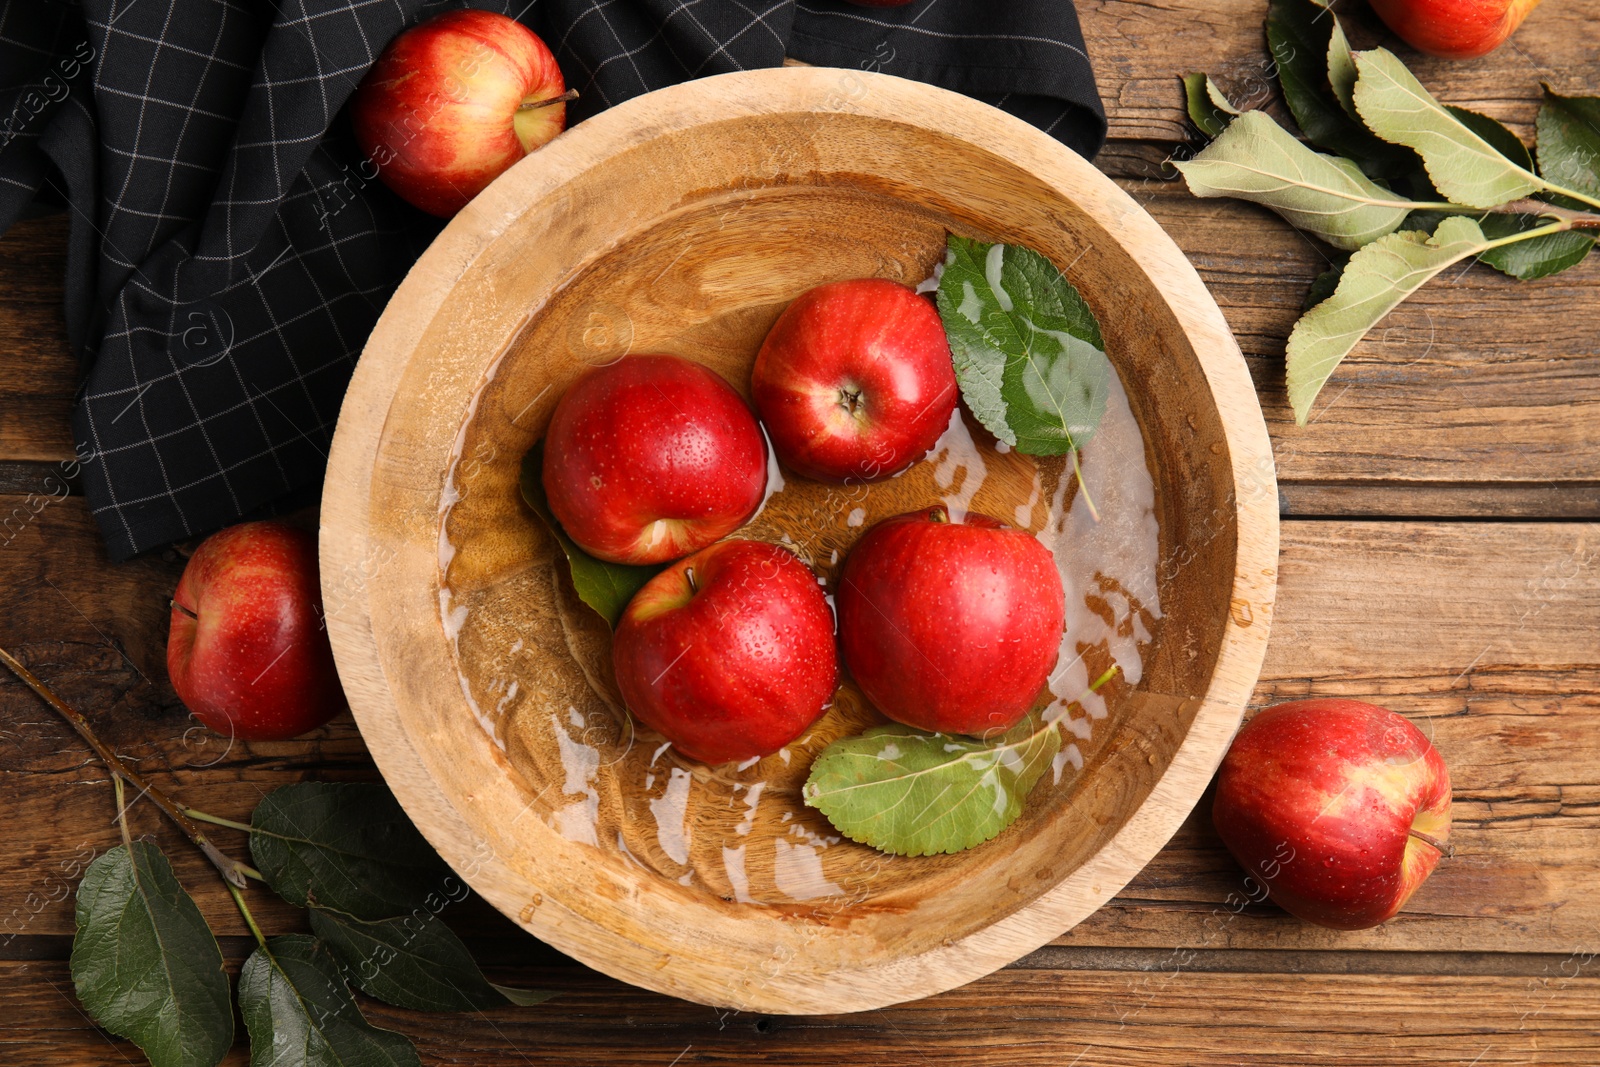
(1415, 186)
(147, 966)
(232, 871)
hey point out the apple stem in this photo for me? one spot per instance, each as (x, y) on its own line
(688, 574)
(185, 610)
(530, 105)
(230, 869)
(1445, 849)
(938, 514)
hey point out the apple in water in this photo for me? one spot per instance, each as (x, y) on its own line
(651, 458)
(1454, 29)
(950, 626)
(247, 651)
(1341, 808)
(855, 382)
(729, 653)
(452, 103)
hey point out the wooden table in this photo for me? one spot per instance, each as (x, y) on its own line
(1441, 554)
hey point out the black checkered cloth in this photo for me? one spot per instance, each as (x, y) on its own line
(227, 260)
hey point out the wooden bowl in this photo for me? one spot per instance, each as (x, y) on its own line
(684, 221)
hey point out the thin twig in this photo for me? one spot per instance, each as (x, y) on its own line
(1581, 220)
(122, 815)
(249, 920)
(230, 868)
(215, 820)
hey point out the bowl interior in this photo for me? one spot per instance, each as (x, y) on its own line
(690, 237)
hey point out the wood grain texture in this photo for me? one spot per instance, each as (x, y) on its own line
(1476, 378)
(1440, 500)
(1505, 679)
(37, 370)
(1139, 50)
(1031, 1018)
(1520, 736)
(788, 174)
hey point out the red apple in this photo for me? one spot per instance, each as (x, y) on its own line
(1454, 29)
(247, 650)
(651, 458)
(1340, 808)
(855, 382)
(729, 653)
(452, 103)
(950, 626)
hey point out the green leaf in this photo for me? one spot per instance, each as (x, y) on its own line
(1569, 144)
(1495, 134)
(917, 794)
(1464, 167)
(1537, 257)
(605, 587)
(1255, 159)
(1377, 278)
(412, 962)
(344, 846)
(300, 1013)
(1324, 284)
(144, 962)
(1209, 108)
(1300, 36)
(1342, 70)
(1027, 349)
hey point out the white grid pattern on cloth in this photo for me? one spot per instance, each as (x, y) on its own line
(213, 138)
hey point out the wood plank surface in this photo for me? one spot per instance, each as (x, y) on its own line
(1477, 378)
(38, 372)
(1477, 400)
(1139, 48)
(1020, 1017)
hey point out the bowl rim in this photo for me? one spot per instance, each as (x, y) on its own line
(346, 546)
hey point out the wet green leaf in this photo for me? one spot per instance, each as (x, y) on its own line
(605, 587)
(1028, 354)
(918, 794)
(145, 964)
